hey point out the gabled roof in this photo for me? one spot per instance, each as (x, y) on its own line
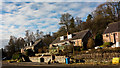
(77, 35)
(37, 42)
(112, 27)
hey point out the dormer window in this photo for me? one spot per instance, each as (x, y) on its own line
(61, 38)
(69, 36)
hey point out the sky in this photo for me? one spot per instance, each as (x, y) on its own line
(17, 17)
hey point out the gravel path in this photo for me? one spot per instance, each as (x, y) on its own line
(44, 65)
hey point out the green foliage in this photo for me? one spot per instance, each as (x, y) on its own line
(53, 50)
(29, 52)
(83, 48)
(107, 44)
(98, 39)
(77, 48)
(20, 60)
(16, 56)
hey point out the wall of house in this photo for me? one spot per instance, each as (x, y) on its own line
(78, 42)
(109, 37)
(118, 36)
(85, 39)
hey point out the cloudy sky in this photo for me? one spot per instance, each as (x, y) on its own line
(20, 16)
(17, 17)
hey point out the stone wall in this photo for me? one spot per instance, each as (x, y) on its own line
(37, 59)
(98, 55)
(60, 59)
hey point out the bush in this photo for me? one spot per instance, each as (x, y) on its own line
(16, 56)
(20, 60)
(29, 52)
(90, 43)
(98, 40)
(77, 48)
(107, 44)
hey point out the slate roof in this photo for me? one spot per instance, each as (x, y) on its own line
(77, 35)
(112, 27)
(37, 42)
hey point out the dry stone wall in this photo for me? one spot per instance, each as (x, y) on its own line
(98, 55)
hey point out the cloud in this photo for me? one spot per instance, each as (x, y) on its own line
(17, 17)
(55, 0)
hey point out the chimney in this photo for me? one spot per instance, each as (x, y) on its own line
(69, 36)
(30, 43)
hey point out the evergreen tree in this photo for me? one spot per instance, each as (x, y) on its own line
(98, 39)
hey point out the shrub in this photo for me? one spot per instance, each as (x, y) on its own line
(107, 44)
(77, 48)
(20, 60)
(98, 40)
(16, 56)
(29, 52)
(90, 43)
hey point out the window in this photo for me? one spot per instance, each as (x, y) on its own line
(106, 35)
(115, 33)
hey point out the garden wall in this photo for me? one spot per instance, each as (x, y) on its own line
(60, 59)
(102, 55)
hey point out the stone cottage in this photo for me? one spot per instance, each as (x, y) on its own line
(34, 46)
(112, 34)
(77, 39)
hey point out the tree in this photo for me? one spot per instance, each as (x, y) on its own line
(41, 34)
(98, 39)
(90, 43)
(72, 28)
(27, 35)
(61, 31)
(11, 47)
(78, 23)
(89, 24)
(89, 17)
(65, 20)
(109, 10)
(37, 35)
(20, 43)
(104, 14)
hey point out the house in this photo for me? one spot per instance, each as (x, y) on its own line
(112, 34)
(76, 39)
(34, 46)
